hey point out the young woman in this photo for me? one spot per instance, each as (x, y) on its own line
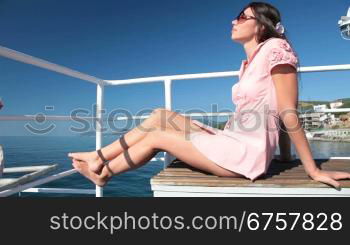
(265, 96)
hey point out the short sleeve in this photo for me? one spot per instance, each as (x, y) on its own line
(280, 52)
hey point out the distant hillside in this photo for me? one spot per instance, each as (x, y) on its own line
(346, 103)
(308, 105)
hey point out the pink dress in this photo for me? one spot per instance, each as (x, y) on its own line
(248, 142)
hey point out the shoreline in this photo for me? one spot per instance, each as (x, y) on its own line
(329, 140)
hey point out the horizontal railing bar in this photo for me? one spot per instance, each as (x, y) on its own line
(333, 110)
(210, 114)
(61, 190)
(218, 74)
(340, 158)
(38, 117)
(24, 169)
(343, 67)
(173, 77)
(205, 114)
(24, 58)
(37, 182)
(67, 118)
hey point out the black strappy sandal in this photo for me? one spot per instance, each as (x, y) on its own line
(105, 162)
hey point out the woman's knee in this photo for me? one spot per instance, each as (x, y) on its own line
(159, 111)
(156, 116)
(152, 123)
(160, 138)
(162, 117)
(151, 138)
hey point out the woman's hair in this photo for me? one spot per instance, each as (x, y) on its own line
(267, 16)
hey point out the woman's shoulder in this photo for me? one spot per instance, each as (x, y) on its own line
(279, 51)
(278, 43)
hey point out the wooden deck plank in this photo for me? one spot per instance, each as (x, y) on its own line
(279, 174)
(181, 181)
(200, 175)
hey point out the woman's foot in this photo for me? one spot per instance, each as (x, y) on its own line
(83, 168)
(92, 159)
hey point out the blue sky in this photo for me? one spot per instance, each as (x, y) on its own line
(130, 39)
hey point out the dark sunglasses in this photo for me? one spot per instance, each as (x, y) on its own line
(242, 17)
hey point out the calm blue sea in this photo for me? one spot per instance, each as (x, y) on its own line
(35, 150)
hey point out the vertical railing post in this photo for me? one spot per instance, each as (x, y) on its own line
(2, 161)
(168, 105)
(99, 126)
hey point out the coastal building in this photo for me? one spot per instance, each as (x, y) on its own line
(340, 134)
(319, 117)
(318, 108)
(312, 120)
(336, 104)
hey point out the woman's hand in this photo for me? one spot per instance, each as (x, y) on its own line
(329, 177)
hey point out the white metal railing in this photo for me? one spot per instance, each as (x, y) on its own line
(21, 57)
(101, 83)
(69, 118)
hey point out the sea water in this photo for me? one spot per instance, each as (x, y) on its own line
(42, 150)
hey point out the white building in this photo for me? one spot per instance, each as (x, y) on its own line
(317, 120)
(318, 108)
(335, 104)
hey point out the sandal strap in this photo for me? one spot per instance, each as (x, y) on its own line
(104, 160)
(99, 153)
(108, 168)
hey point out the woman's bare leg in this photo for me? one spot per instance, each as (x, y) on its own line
(160, 118)
(174, 142)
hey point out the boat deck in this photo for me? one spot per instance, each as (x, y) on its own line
(282, 179)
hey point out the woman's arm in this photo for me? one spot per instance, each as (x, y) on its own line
(284, 144)
(285, 79)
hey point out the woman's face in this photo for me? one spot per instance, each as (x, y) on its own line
(245, 28)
